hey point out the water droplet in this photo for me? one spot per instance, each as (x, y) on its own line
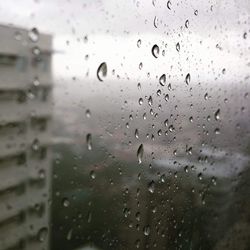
(102, 71)
(139, 85)
(169, 4)
(36, 51)
(146, 230)
(139, 43)
(217, 115)
(92, 174)
(88, 113)
(42, 234)
(187, 79)
(245, 35)
(166, 97)
(151, 187)
(150, 101)
(33, 35)
(35, 145)
(158, 92)
(140, 152)
(166, 122)
(178, 47)
(191, 119)
(217, 131)
(18, 35)
(140, 101)
(155, 51)
(196, 12)
(36, 81)
(206, 96)
(169, 86)
(136, 133)
(163, 178)
(137, 243)
(144, 116)
(187, 24)
(89, 141)
(140, 65)
(65, 202)
(162, 80)
(69, 234)
(155, 21)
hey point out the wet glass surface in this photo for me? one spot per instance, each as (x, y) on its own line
(124, 124)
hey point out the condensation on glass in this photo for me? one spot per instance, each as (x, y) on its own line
(124, 125)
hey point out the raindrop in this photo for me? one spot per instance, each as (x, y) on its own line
(33, 35)
(166, 122)
(191, 119)
(102, 71)
(151, 187)
(42, 234)
(136, 134)
(65, 202)
(92, 174)
(158, 92)
(217, 131)
(206, 96)
(146, 230)
(18, 35)
(169, 86)
(187, 24)
(178, 47)
(166, 97)
(140, 101)
(36, 82)
(36, 51)
(69, 234)
(156, 22)
(140, 153)
(196, 12)
(155, 51)
(217, 115)
(88, 113)
(162, 80)
(35, 145)
(139, 43)
(169, 4)
(89, 141)
(144, 116)
(140, 65)
(163, 178)
(187, 79)
(150, 101)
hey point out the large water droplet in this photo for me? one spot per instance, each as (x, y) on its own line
(155, 51)
(102, 71)
(169, 4)
(140, 152)
(162, 80)
(33, 35)
(89, 141)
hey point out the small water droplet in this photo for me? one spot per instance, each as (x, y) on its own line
(163, 178)
(139, 43)
(187, 24)
(146, 230)
(33, 35)
(36, 51)
(69, 234)
(196, 12)
(187, 79)
(217, 115)
(217, 131)
(162, 80)
(206, 96)
(166, 97)
(140, 101)
(140, 152)
(191, 119)
(155, 51)
(155, 21)
(140, 65)
(178, 47)
(89, 141)
(65, 202)
(151, 187)
(35, 145)
(102, 71)
(136, 134)
(42, 234)
(158, 92)
(150, 101)
(92, 174)
(88, 113)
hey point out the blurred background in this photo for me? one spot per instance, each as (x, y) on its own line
(124, 124)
